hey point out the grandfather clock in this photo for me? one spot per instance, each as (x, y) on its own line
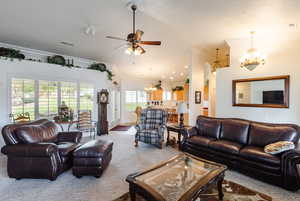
(102, 100)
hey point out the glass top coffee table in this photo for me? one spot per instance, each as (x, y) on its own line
(182, 178)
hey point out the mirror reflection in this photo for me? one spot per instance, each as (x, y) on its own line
(260, 92)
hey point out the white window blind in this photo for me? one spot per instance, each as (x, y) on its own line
(48, 99)
(142, 98)
(22, 96)
(130, 100)
(134, 99)
(86, 99)
(69, 94)
(42, 98)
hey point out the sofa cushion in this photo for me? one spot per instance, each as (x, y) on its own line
(200, 140)
(66, 148)
(262, 135)
(258, 154)
(235, 130)
(209, 127)
(225, 146)
(35, 134)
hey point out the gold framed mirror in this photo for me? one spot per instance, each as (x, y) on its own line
(271, 92)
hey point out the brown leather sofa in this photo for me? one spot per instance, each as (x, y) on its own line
(37, 150)
(240, 145)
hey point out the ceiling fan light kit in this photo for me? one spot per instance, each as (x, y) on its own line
(134, 39)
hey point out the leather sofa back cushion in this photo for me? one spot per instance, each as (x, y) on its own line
(262, 135)
(209, 127)
(35, 134)
(235, 130)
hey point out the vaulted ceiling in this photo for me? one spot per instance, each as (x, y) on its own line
(179, 24)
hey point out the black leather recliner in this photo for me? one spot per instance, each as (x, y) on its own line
(240, 145)
(37, 150)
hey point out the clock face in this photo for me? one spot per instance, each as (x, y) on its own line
(103, 98)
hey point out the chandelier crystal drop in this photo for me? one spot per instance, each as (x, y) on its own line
(252, 58)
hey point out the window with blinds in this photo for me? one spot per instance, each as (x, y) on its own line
(42, 98)
(68, 92)
(130, 100)
(134, 99)
(22, 97)
(142, 98)
(48, 99)
(86, 98)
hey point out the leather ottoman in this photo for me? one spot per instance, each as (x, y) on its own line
(92, 158)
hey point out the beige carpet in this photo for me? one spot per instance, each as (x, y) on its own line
(126, 160)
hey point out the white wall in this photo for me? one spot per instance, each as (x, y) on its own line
(196, 84)
(281, 60)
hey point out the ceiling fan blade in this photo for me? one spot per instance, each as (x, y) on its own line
(138, 35)
(115, 38)
(150, 42)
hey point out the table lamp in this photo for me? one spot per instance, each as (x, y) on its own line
(182, 109)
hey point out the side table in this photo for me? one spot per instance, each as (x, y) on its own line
(176, 129)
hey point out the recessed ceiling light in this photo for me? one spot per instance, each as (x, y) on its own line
(171, 78)
(186, 67)
(181, 74)
(174, 72)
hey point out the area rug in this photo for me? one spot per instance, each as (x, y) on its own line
(232, 192)
(120, 128)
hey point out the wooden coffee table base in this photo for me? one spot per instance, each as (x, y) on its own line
(136, 190)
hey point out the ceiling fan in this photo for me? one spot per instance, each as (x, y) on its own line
(134, 39)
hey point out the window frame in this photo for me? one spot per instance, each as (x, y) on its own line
(137, 100)
(36, 92)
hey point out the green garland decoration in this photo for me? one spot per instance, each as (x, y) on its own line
(9, 53)
(102, 68)
(178, 88)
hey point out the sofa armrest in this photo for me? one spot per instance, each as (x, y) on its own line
(187, 133)
(30, 150)
(74, 136)
(289, 167)
(161, 129)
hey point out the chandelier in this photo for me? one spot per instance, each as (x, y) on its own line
(217, 63)
(252, 58)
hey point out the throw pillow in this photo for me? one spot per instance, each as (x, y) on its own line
(278, 147)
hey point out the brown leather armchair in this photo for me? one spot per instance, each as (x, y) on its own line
(37, 150)
(240, 145)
